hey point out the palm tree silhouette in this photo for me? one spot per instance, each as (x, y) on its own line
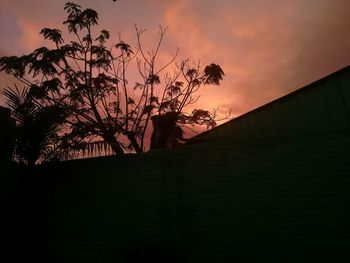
(36, 126)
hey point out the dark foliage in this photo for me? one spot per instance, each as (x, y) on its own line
(36, 134)
(88, 80)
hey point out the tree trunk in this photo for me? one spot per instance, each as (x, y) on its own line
(116, 148)
(132, 139)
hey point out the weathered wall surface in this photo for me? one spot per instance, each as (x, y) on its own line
(276, 201)
(7, 125)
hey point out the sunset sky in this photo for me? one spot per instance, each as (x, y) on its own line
(267, 48)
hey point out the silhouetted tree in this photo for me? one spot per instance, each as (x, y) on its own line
(89, 81)
(166, 132)
(36, 131)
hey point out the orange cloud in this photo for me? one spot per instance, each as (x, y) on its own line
(260, 45)
(266, 48)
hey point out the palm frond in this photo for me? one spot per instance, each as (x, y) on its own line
(96, 148)
(21, 104)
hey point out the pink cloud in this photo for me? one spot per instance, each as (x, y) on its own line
(263, 48)
(266, 48)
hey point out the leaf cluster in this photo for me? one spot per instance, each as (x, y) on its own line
(85, 87)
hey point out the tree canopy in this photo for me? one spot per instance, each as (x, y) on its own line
(86, 82)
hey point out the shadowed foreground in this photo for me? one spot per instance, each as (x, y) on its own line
(275, 201)
(280, 196)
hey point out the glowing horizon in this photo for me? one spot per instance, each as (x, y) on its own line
(265, 49)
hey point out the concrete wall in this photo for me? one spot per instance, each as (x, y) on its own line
(276, 201)
(7, 128)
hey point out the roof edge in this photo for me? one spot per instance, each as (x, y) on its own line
(272, 102)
